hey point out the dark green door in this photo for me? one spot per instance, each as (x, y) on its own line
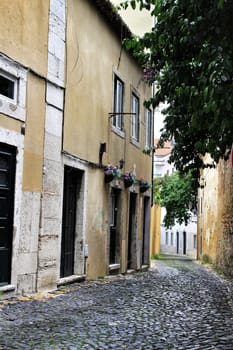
(7, 184)
(68, 222)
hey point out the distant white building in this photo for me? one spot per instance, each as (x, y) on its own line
(161, 156)
(180, 239)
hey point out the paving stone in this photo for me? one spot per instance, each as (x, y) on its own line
(179, 306)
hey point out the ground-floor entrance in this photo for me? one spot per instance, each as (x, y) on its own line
(71, 237)
(7, 186)
(132, 232)
(146, 231)
(114, 244)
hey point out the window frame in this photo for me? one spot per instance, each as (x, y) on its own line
(15, 87)
(135, 118)
(14, 107)
(148, 128)
(118, 103)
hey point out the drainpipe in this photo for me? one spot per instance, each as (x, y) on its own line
(152, 160)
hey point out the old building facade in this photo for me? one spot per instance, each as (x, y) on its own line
(215, 219)
(71, 104)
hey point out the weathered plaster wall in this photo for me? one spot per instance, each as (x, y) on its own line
(22, 125)
(155, 229)
(215, 220)
(23, 36)
(209, 215)
(51, 211)
(225, 237)
(10, 123)
(94, 54)
(97, 220)
(89, 93)
(34, 136)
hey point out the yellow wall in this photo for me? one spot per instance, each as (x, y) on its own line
(215, 220)
(208, 213)
(97, 225)
(24, 32)
(155, 229)
(34, 137)
(89, 93)
(10, 123)
(94, 54)
(225, 217)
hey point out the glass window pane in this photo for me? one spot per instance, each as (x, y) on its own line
(6, 87)
(135, 117)
(3, 179)
(118, 102)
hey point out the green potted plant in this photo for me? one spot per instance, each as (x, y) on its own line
(144, 185)
(129, 179)
(111, 172)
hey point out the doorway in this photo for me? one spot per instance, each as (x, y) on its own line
(177, 242)
(132, 232)
(70, 216)
(146, 231)
(114, 244)
(7, 188)
(184, 242)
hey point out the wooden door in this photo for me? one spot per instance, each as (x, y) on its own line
(68, 222)
(7, 186)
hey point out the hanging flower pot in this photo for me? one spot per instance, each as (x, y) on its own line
(111, 172)
(108, 177)
(143, 185)
(128, 183)
(129, 179)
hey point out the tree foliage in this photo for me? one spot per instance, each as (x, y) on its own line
(188, 55)
(177, 193)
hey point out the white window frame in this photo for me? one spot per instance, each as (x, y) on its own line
(148, 128)
(118, 103)
(14, 107)
(15, 83)
(135, 118)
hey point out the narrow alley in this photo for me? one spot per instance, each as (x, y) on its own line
(178, 304)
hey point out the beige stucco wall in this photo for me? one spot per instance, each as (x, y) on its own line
(23, 35)
(94, 54)
(215, 220)
(10, 123)
(155, 229)
(34, 137)
(225, 237)
(208, 223)
(89, 93)
(97, 225)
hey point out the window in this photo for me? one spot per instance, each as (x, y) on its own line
(8, 86)
(195, 241)
(135, 118)
(172, 238)
(118, 103)
(166, 239)
(148, 122)
(13, 84)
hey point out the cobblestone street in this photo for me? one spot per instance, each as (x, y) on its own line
(178, 305)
